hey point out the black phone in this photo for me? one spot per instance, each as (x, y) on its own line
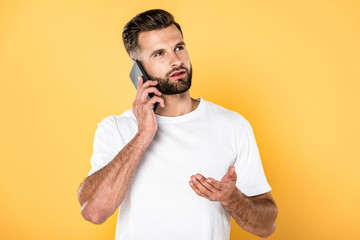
(136, 71)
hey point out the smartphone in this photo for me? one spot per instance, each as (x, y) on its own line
(136, 71)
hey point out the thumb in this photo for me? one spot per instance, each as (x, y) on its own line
(140, 81)
(230, 175)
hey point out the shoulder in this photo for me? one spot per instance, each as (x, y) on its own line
(118, 123)
(118, 129)
(113, 120)
(220, 113)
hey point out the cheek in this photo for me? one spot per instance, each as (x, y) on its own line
(186, 60)
(157, 69)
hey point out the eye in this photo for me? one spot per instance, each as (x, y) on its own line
(179, 48)
(158, 54)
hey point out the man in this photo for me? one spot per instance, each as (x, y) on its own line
(179, 173)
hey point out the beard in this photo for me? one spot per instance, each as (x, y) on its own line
(170, 87)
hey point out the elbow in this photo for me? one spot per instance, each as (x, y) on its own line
(91, 215)
(268, 231)
(89, 212)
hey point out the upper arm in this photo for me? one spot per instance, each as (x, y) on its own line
(266, 195)
(248, 166)
(107, 143)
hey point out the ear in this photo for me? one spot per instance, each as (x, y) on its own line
(132, 60)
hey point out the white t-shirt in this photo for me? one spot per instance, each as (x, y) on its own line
(160, 204)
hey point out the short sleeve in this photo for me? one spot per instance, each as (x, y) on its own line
(251, 178)
(107, 144)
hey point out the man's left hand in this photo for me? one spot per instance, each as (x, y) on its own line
(212, 189)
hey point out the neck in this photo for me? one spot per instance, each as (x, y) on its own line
(177, 105)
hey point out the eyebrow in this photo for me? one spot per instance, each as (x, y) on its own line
(182, 43)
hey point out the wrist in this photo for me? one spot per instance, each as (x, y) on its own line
(233, 198)
(145, 136)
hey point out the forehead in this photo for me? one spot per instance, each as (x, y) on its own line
(150, 41)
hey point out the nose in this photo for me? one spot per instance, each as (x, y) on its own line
(174, 60)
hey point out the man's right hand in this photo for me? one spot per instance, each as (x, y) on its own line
(143, 108)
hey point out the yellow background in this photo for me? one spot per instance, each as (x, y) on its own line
(290, 67)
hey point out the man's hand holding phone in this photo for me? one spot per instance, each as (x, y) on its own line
(143, 107)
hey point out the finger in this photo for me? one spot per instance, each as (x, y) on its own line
(197, 191)
(204, 182)
(142, 89)
(214, 183)
(148, 90)
(149, 83)
(200, 186)
(155, 99)
(140, 82)
(231, 171)
(209, 186)
(230, 175)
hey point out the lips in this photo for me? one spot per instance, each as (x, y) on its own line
(177, 73)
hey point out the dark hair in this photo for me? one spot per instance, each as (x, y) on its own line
(146, 21)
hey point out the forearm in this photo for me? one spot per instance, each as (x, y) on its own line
(102, 192)
(254, 215)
